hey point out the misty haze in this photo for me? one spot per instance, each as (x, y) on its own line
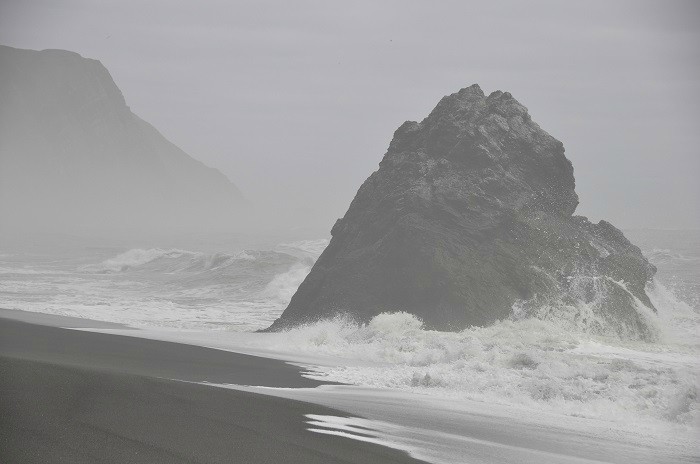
(377, 232)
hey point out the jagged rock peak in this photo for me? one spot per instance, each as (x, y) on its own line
(496, 136)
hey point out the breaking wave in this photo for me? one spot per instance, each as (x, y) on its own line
(283, 286)
(557, 357)
(311, 248)
(172, 260)
(160, 287)
(526, 362)
(134, 258)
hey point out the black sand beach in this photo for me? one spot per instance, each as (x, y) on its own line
(83, 397)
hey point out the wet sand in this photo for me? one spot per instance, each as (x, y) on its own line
(82, 397)
(54, 320)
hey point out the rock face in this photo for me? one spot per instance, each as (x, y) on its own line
(73, 157)
(469, 220)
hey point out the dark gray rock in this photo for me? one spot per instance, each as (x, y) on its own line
(73, 157)
(469, 220)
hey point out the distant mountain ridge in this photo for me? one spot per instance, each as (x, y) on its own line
(73, 157)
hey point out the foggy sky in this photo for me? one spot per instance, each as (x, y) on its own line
(296, 102)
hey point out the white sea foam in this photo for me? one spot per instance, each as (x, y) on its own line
(585, 306)
(550, 357)
(136, 257)
(168, 288)
(312, 248)
(677, 321)
(283, 286)
(175, 260)
(528, 362)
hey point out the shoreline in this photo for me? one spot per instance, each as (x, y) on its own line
(56, 320)
(428, 428)
(85, 397)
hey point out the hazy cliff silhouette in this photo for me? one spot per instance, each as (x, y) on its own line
(74, 158)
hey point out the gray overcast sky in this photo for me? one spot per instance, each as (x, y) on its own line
(297, 101)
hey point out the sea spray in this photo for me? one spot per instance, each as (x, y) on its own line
(538, 359)
(162, 287)
(170, 260)
(134, 258)
(528, 362)
(282, 286)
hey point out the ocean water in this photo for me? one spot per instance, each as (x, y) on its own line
(241, 290)
(536, 363)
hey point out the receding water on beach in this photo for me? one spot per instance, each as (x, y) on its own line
(547, 364)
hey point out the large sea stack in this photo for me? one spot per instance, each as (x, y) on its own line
(74, 158)
(469, 220)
